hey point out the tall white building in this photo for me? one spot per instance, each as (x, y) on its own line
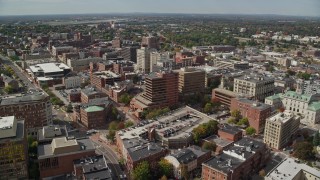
(72, 82)
(279, 129)
(156, 57)
(143, 59)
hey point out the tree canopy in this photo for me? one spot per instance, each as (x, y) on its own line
(303, 150)
(250, 131)
(141, 172)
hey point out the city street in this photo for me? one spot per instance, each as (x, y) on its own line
(17, 71)
(102, 147)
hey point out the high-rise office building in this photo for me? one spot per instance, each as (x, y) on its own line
(161, 90)
(257, 86)
(280, 128)
(13, 149)
(35, 108)
(143, 59)
(129, 53)
(191, 81)
(150, 42)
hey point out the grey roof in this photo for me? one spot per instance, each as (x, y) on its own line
(254, 104)
(45, 151)
(184, 156)
(19, 134)
(94, 167)
(142, 150)
(246, 146)
(255, 78)
(224, 163)
(218, 141)
(90, 91)
(22, 98)
(229, 129)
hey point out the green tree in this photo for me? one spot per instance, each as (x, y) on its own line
(243, 121)
(8, 89)
(209, 146)
(232, 120)
(125, 98)
(128, 124)
(114, 113)
(250, 131)
(113, 125)
(69, 108)
(316, 139)
(236, 114)
(303, 150)
(141, 172)
(166, 168)
(111, 135)
(208, 108)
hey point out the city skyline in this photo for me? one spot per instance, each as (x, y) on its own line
(48, 7)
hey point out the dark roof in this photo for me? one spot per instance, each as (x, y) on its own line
(184, 156)
(143, 150)
(224, 163)
(254, 104)
(94, 167)
(19, 99)
(247, 147)
(229, 129)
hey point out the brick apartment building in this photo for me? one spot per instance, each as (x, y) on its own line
(137, 150)
(93, 114)
(57, 158)
(103, 78)
(35, 108)
(90, 93)
(256, 112)
(93, 117)
(161, 91)
(13, 149)
(230, 133)
(240, 161)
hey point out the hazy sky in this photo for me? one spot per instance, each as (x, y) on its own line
(281, 7)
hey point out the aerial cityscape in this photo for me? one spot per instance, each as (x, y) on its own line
(145, 90)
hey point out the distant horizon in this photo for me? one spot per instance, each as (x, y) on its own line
(305, 8)
(160, 13)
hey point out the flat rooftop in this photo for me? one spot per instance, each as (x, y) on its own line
(10, 128)
(254, 104)
(257, 78)
(229, 129)
(218, 141)
(175, 124)
(281, 117)
(290, 169)
(224, 163)
(22, 98)
(49, 67)
(62, 146)
(94, 167)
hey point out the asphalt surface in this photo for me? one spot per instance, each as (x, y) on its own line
(17, 71)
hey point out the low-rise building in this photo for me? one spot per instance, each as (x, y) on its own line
(47, 133)
(222, 144)
(231, 133)
(291, 169)
(57, 158)
(103, 78)
(13, 149)
(240, 161)
(137, 150)
(94, 167)
(224, 96)
(280, 129)
(72, 82)
(191, 157)
(90, 93)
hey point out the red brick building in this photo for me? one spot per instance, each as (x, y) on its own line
(230, 133)
(161, 91)
(57, 158)
(256, 112)
(91, 93)
(241, 161)
(93, 117)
